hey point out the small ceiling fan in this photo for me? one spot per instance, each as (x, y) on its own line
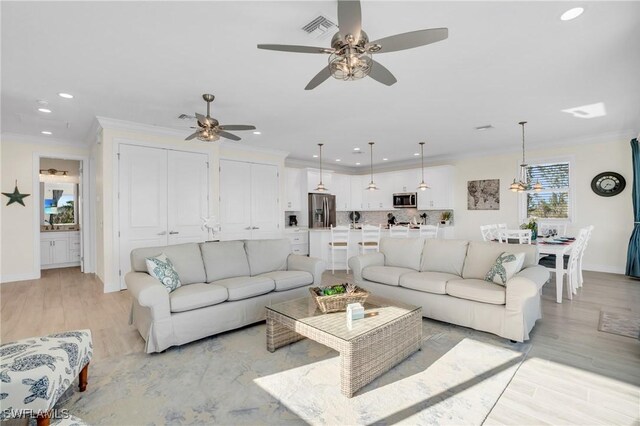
(209, 129)
(350, 55)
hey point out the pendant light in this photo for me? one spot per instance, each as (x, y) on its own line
(321, 187)
(523, 184)
(372, 186)
(423, 186)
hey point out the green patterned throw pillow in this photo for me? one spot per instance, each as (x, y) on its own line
(161, 268)
(505, 267)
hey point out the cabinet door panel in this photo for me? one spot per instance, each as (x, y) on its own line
(45, 252)
(235, 198)
(342, 190)
(293, 196)
(265, 212)
(60, 251)
(188, 186)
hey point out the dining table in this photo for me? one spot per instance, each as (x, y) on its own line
(559, 249)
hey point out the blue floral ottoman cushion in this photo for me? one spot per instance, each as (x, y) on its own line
(35, 372)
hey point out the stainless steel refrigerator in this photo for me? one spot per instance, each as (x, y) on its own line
(322, 210)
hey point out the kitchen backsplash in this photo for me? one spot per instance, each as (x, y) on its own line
(402, 215)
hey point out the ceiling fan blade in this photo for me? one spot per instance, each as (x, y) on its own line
(349, 18)
(381, 74)
(192, 136)
(324, 74)
(227, 135)
(294, 48)
(202, 119)
(237, 127)
(410, 40)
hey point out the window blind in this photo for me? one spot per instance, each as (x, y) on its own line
(551, 176)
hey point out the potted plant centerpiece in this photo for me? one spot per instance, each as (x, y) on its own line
(445, 218)
(533, 226)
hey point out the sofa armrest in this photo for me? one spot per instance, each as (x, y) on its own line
(358, 263)
(538, 274)
(313, 265)
(150, 293)
(520, 289)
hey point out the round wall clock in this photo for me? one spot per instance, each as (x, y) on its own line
(608, 184)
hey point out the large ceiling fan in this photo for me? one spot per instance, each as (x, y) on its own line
(350, 55)
(209, 129)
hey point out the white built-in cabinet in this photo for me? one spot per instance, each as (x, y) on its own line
(249, 205)
(341, 188)
(293, 189)
(59, 249)
(162, 197)
(440, 195)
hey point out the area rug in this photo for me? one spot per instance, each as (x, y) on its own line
(627, 325)
(456, 378)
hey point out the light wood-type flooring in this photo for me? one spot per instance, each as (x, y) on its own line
(574, 374)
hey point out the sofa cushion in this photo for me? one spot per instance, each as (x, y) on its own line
(478, 290)
(224, 259)
(186, 259)
(384, 274)
(402, 252)
(196, 296)
(444, 256)
(286, 280)
(482, 255)
(267, 255)
(245, 287)
(429, 282)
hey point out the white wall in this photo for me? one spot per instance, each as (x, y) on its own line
(19, 224)
(611, 216)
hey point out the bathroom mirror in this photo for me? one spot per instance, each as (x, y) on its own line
(59, 203)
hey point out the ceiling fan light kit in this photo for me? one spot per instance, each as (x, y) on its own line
(210, 130)
(351, 53)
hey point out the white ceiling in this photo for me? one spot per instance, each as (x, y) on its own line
(149, 62)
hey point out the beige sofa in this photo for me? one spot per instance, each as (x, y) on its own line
(225, 285)
(446, 278)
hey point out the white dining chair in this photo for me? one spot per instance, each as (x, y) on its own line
(429, 231)
(552, 228)
(501, 226)
(584, 247)
(370, 238)
(570, 268)
(522, 236)
(398, 231)
(339, 242)
(488, 232)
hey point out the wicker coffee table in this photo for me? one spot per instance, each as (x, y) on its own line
(389, 333)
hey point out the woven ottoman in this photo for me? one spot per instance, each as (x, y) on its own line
(35, 372)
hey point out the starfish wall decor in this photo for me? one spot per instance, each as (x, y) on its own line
(15, 196)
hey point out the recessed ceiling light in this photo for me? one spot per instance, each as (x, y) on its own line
(337, 159)
(357, 164)
(572, 14)
(356, 149)
(46, 132)
(257, 133)
(65, 95)
(416, 154)
(315, 155)
(588, 111)
(47, 110)
(385, 159)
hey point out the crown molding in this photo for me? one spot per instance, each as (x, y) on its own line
(235, 146)
(130, 126)
(41, 140)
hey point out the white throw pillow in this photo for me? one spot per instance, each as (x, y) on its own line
(505, 267)
(161, 268)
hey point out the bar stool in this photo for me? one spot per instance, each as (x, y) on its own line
(370, 238)
(429, 231)
(339, 242)
(398, 231)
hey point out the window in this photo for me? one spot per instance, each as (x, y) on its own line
(554, 201)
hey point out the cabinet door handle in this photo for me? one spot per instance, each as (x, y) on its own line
(173, 232)
(255, 227)
(248, 228)
(54, 243)
(162, 233)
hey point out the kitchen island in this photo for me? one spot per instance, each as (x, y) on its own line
(319, 239)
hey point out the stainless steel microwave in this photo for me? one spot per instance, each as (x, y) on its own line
(405, 200)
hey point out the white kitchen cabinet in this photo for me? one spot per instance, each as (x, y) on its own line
(249, 205)
(293, 186)
(406, 180)
(440, 195)
(59, 249)
(341, 188)
(382, 199)
(299, 240)
(357, 184)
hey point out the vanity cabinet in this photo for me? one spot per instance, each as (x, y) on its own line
(59, 249)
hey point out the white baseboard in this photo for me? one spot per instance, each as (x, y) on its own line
(9, 278)
(60, 265)
(604, 268)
